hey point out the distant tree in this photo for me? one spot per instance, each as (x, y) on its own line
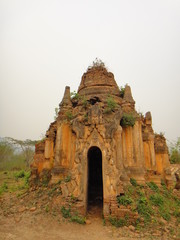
(6, 150)
(27, 148)
(175, 152)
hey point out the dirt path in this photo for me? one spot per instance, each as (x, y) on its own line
(28, 226)
(35, 225)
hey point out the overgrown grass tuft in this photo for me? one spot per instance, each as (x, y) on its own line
(153, 186)
(124, 200)
(151, 203)
(78, 219)
(121, 222)
(66, 212)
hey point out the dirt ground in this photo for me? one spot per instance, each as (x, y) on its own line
(36, 226)
(29, 214)
(28, 224)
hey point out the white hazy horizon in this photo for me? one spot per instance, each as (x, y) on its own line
(46, 45)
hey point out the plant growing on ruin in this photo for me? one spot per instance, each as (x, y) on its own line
(133, 182)
(65, 212)
(69, 115)
(84, 102)
(111, 104)
(121, 222)
(97, 63)
(75, 95)
(127, 120)
(153, 186)
(121, 91)
(124, 200)
(144, 209)
(157, 199)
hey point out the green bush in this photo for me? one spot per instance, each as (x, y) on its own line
(121, 222)
(111, 104)
(27, 177)
(65, 212)
(144, 209)
(69, 115)
(133, 182)
(140, 193)
(3, 188)
(124, 200)
(121, 91)
(78, 219)
(153, 186)
(127, 120)
(74, 95)
(156, 199)
(164, 212)
(20, 174)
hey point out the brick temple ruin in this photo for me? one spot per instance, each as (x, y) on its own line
(98, 142)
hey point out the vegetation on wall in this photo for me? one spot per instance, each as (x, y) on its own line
(152, 203)
(69, 115)
(97, 63)
(74, 95)
(111, 104)
(127, 120)
(121, 91)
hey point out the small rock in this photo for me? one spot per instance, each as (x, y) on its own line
(88, 222)
(131, 227)
(22, 209)
(32, 209)
(17, 219)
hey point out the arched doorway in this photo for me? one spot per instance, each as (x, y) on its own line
(95, 179)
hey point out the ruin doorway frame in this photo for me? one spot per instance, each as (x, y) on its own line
(87, 176)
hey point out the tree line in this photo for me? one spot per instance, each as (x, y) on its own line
(16, 154)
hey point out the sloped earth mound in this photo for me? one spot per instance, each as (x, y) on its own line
(36, 213)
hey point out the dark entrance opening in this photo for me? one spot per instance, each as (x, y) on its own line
(95, 181)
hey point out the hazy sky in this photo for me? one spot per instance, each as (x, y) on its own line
(47, 45)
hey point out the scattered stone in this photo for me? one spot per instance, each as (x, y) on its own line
(22, 209)
(17, 219)
(131, 227)
(32, 209)
(88, 221)
(156, 233)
